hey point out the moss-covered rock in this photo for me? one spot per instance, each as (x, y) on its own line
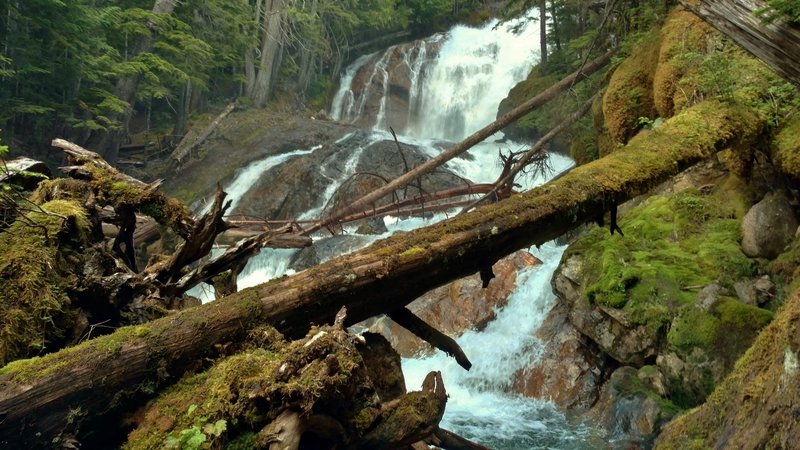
(756, 405)
(629, 95)
(635, 295)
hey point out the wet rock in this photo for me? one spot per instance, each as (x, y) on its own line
(375, 225)
(768, 227)
(384, 85)
(456, 307)
(382, 161)
(570, 370)
(630, 411)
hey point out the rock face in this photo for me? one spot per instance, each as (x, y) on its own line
(383, 87)
(456, 307)
(570, 370)
(768, 227)
(612, 329)
(326, 178)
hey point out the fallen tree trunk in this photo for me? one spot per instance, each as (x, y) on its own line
(39, 397)
(185, 149)
(777, 44)
(366, 201)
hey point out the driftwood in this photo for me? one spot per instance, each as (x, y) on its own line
(776, 43)
(365, 202)
(37, 396)
(184, 148)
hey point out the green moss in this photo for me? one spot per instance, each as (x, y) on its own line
(786, 147)
(629, 95)
(749, 409)
(670, 242)
(36, 256)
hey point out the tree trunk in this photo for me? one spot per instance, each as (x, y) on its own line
(542, 36)
(271, 41)
(92, 384)
(184, 149)
(777, 44)
(366, 201)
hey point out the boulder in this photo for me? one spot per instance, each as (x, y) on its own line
(456, 307)
(768, 227)
(570, 370)
(630, 410)
(612, 329)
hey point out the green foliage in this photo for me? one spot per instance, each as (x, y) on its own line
(787, 10)
(194, 437)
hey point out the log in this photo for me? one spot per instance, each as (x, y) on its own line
(38, 396)
(184, 149)
(427, 333)
(366, 201)
(777, 44)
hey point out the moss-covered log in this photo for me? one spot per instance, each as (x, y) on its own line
(39, 397)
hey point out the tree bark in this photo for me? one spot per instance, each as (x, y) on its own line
(366, 201)
(777, 44)
(260, 86)
(99, 379)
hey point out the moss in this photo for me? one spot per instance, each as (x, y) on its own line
(629, 95)
(35, 254)
(752, 407)
(786, 147)
(670, 242)
(682, 33)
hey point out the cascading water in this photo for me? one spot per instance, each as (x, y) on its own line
(443, 89)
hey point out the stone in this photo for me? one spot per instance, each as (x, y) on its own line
(612, 329)
(374, 225)
(746, 292)
(569, 372)
(768, 227)
(709, 296)
(765, 290)
(627, 411)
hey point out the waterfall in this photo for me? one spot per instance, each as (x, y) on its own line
(445, 87)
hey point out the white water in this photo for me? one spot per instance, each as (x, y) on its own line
(479, 406)
(453, 94)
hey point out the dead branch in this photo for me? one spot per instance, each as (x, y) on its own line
(431, 335)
